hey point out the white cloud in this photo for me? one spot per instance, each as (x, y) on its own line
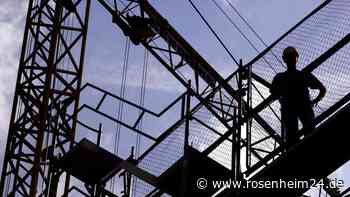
(12, 14)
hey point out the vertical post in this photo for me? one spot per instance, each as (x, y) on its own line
(99, 188)
(79, 71)
(44, 108)
(99, 134)
(234, 151)
(283, 135)
(249, 119)
(55, 178)
(236, 134)
(128, 175)
(239, 119)
(186, 144)
(53, 173)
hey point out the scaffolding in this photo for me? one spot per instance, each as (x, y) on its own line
(225, 128)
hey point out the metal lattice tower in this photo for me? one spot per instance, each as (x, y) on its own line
(47, 89)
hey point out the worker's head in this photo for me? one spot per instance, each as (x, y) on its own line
(290, 57)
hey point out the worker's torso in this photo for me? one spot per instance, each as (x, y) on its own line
(293, 89)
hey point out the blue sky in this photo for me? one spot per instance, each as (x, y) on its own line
(270, 18)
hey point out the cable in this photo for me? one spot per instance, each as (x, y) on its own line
(252, 29)
(121, 104)
(246, 22)
(213, 31)
(141, 103)
(235, 25)
(241, 32)
(142, 96)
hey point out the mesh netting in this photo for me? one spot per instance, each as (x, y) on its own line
(142, 189)
(171, 149)
(312, 38)
(165, 154)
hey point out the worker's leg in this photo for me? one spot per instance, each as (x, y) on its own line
(290, 126)
(307, 118)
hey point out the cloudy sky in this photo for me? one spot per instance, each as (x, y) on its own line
(270, 18)
(12, 15)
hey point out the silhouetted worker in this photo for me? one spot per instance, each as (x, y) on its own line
(291, 88)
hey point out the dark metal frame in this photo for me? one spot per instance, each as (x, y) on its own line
(180, 100)
(176, 55)
(46, 103)
(47, 88)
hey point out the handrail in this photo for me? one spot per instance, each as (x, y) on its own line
(157, 114)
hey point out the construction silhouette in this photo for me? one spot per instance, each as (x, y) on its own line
(217, 128)
(291, 88)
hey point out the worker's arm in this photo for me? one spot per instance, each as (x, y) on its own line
(317, 84)
(321, 94)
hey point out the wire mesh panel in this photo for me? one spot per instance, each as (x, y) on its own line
(160, 158)
(335, 73)
(204, 130)
(312, 38)
(165, 154)
(321, 34)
